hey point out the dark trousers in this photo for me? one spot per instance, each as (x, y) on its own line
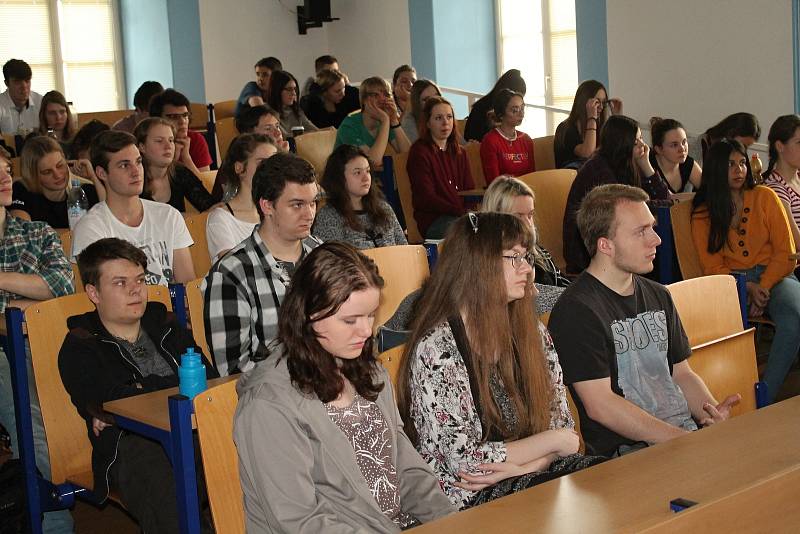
(142, 476)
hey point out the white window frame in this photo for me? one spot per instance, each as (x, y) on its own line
(53, 7)
(552, 116)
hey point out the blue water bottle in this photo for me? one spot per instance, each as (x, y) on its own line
(191, 374)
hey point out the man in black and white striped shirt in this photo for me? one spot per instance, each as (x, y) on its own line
(245, 288)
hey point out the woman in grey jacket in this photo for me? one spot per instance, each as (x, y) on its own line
(321, 445)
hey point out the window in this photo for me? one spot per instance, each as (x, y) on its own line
(71, 46)
(538, 37)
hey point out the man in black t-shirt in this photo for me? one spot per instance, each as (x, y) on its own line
(619, 339)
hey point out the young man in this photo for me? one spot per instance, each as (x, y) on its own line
(32, 268)
(141, 104)
(255, 93)
(244, 289)
(19, 106)
(619, 338)
(262, 120)
(156, 228)
(191, 148)
(125, 347)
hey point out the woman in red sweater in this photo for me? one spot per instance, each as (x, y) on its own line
(438, 170)
(506, 150)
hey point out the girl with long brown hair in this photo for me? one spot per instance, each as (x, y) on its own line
(480, 386)
(320, 444)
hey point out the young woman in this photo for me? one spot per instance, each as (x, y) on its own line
(283, 98)
(576, 137)
(164, 179)
(507, 194)
(402, 82)
(355, 211)
(421, 91)
(321, 447)
(782, 172)
(438, 169)
(55, 115)
(670, 155)
(741, 126)
(377, 125)
(230, 225)
(478, 123)
(480, 387)
(506, 150)
(41, 194)
(738, 226)
(623, 158)
(324, 109)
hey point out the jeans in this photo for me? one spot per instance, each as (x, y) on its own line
(784, 310)
(59, 521)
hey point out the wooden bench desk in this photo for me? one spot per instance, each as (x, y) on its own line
(632, 493)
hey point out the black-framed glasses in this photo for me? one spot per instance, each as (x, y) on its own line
(520, 260)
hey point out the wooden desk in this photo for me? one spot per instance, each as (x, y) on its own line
(632, 493)
(167, 417)
(152, 408)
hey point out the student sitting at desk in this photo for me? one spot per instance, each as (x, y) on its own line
(321, 445)
(619, 337)
(124, 348)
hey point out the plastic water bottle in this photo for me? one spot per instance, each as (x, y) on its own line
(77, 204)
(191, 374)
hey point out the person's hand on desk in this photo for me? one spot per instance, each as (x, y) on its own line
(720, 412)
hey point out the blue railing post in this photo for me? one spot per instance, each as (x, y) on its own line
(211, 137)
(177, 294)
(665, 252)
(180, 417)
(15, 351)
(741, 287)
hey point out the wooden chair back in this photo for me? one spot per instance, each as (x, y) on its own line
(224, 109)
(315, 147)
(196, 223)
(551, 188)
(198, 119)
(475, 164)
(708, 307)
(214, 410)
(727, 366)
(723, 353)
(208, 178)
(16, 168)
(403, 183)
(403, 269)
(65, 235)
(194, 298)
(67, 440)
(688, 259)
(544, 153)
(226, 133)
(106, 117)
(390, 359)
(460, 125)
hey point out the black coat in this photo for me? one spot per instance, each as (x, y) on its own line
(95, 369)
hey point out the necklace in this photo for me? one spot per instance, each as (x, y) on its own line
(510, 140)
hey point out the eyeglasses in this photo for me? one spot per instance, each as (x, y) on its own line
(519, 260)
(516, 109)
(178, 116)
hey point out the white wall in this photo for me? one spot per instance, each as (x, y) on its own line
(699, 61)
(372, 38)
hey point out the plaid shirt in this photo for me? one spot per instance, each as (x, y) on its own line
(32, 247)
(242, 294)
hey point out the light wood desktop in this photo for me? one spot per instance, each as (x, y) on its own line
(152, 408)
(631, 494)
